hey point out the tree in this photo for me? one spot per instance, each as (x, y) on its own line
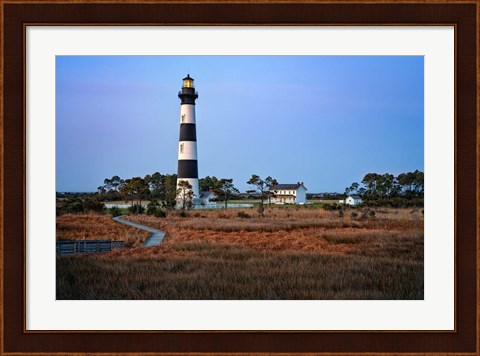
(386, 185)
(419, 182)
(224, 188)
(270, 183)
(353, 189)
(107, 184)
(154, 183)
(116, 183)
(111, 188)
(185, 194)
(260, 186)
(134, 189)
(169, 190)
(101, 190)
(371, 181)
(207, 183)
(406, 189)
(411, 183)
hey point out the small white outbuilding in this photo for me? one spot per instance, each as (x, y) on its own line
(289, 194)
(353, 200)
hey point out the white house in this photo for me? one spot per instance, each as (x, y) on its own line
(353, 200)
(289, 194)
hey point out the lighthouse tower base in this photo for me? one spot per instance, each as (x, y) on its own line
(195, 201)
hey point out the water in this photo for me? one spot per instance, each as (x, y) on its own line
(121, 206)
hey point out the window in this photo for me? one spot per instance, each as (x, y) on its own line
(188, 83)
(181, 148)
(183, 117)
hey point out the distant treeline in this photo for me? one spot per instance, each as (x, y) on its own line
(404, 190)
(159, 189)
(326, 196)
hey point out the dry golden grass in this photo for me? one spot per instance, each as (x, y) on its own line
(292, 253)
(232, 272)
(98, 227)
(309, 230)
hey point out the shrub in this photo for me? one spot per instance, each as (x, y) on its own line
(328, 207)
(364, 216)
(183, 214)
(73, 207)
(243, 215)
(115, 211)
(153, 209)
(159, 213)
(333, 206)
(76, 206)
(354, 214)
(92, 205)
(341, 213)
(136, 209)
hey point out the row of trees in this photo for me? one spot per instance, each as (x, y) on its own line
(225, 189)
(164, 189)
(384, 188)
(154, 187)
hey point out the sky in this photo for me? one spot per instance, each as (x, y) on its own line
(322, 120)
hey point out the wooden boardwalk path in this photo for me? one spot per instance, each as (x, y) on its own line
(154, 239)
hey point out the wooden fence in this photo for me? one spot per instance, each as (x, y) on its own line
(67, 247)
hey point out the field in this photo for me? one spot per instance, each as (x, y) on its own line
(291, 253)
(97, 227)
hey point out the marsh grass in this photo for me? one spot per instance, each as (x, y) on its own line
(289, 254)
(97, 227)
(212, 271)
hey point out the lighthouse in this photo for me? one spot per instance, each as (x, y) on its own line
(187, 146)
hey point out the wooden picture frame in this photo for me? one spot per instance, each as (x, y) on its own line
(15, 16)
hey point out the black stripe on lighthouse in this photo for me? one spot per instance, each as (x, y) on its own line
(188, 132)
(187, 168)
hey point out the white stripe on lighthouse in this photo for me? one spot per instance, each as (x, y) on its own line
(187, 150)
(194, 183)
(187, 114)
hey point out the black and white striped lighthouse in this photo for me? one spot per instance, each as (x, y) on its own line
(187, 147)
